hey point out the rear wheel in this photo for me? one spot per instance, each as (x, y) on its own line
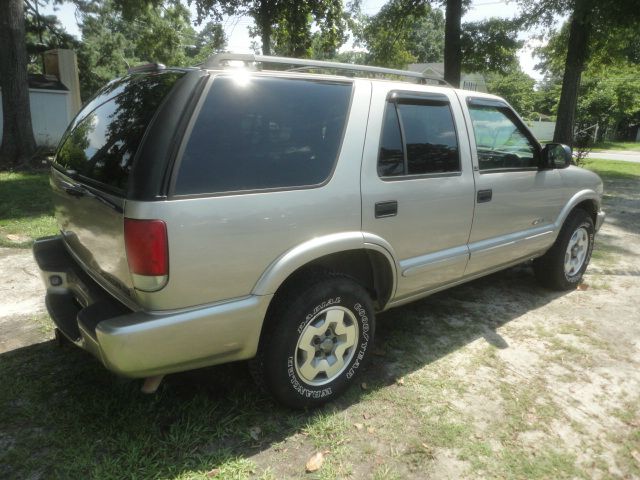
(316, 339)
(563, 266)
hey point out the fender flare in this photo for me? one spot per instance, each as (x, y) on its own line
(578, 198)
(290, 261)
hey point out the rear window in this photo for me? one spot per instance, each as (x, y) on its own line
(102, 141)
(264, 133)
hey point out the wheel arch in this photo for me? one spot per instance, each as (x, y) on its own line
(368, 259)
(587, 200)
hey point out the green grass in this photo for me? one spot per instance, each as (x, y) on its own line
(612, 169)
(26, 208)
(62, 414)
(634, 146)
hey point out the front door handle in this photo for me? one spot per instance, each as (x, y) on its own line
(386, 209)
(484, 195)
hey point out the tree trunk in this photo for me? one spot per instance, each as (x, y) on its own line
(264, 21)
(577, 50)
(266, 39)
(18, 144)
(452, 51)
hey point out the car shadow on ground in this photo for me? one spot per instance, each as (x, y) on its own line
(93, 423)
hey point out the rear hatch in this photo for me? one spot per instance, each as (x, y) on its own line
(91, 170)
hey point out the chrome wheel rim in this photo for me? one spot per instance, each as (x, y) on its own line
(326, 345)
(576, 252)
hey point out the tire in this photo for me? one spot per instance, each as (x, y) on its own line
(563, 266)
(315, 341)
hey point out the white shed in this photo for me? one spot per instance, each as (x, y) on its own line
(49, 110)
(54, 98)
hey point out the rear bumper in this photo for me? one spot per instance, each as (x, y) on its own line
(138, 343)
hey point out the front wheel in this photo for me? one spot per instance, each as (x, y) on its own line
(563, 266)
(316, 339)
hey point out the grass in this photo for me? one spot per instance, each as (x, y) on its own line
(633, 146)
(26, 208)
(614, 170)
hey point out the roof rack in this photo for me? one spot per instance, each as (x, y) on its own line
(219, 60)
(147, 67)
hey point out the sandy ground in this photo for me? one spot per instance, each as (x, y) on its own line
(579, 353)
(21, 300)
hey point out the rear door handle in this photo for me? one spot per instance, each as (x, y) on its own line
(386, 209)
(484, 195)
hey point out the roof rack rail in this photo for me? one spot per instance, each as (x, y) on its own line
(219, 60)
(147, 67)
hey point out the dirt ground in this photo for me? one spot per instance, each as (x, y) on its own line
(504, 379)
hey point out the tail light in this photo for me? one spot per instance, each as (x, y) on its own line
(147, 249)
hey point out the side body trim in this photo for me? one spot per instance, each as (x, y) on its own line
(424, 263)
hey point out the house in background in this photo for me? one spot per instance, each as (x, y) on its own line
(54, 97)
(468, 81)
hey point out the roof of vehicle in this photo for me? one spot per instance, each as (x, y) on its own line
(303, 65)
(306, 67)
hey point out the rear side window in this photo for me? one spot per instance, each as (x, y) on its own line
(263, 133)
(100, 145)
(391, 161)
(418, 139)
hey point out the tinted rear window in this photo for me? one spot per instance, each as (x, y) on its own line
(102, 141)
(264, 133)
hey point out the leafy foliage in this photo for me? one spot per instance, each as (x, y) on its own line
(517, 88)
(401, 33)
(286, 25)
(594, 26)
(609, 93)
(490, 46)
(43, 32)
(113, 40)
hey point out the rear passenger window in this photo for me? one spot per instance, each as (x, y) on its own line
(263, 133)
(418, 139)
(391, 161)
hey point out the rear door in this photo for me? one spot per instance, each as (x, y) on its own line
(90, 174)
(417, 183)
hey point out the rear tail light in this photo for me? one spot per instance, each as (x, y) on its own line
(147, 249)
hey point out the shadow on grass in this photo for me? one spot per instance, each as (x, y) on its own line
(62, 415)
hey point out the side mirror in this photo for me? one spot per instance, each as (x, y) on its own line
(556, 155)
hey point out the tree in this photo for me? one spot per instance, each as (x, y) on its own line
(608, 94)
(405, 32)
(588, 19)
(18, 143)
(490, 46)
(400, 33)
(452, 43)
(211, 39)
(43, 32)
(113, 40)
(516, 87)
(610, 98)
(286, 22)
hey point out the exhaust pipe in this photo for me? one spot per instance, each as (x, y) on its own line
(151, 384)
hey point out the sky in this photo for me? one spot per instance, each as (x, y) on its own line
(239, 40)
